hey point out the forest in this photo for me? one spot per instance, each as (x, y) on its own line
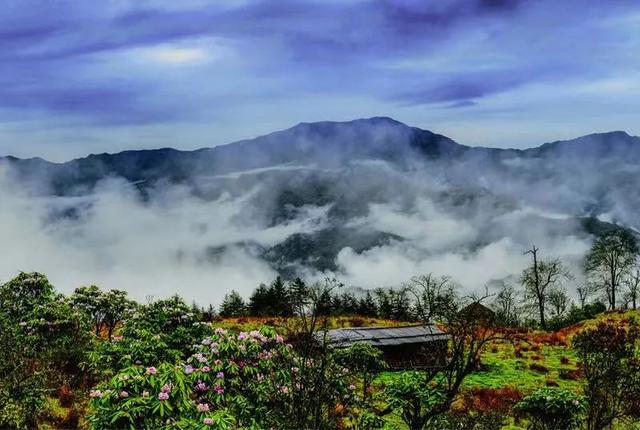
(535, 355)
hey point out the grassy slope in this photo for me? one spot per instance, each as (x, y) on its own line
(509, 365)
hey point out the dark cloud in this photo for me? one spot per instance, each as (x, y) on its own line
(404, 54)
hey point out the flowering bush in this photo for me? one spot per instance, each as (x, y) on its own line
(552, 409)
(163, 331)
(245, 380)
(42, 343)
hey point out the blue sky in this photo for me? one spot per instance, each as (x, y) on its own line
(79, 77)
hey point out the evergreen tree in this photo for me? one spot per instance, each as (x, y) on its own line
(233, 305)
(367, 306)
(258, 302)
(385, 306)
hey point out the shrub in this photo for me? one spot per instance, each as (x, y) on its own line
(491, 399)
(251, 380)
(536, 367)
(570, 374)
(609, 359)
(552, 409)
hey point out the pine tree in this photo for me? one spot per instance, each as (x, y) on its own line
(233, 305)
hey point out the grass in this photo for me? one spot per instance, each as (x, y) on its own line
(237, 324)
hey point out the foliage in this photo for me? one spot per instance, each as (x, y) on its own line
(162, 331)
(576, 315)
(44, 340)
(610, 260)
(22, 379)
(251, 380)
(414, 397)
(233, 305)
(609, 357)
(542, 281)
(552, 409)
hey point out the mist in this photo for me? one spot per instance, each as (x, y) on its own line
(203, 239)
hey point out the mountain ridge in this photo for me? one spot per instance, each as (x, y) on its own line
(371, 120)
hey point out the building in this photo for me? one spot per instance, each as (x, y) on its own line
(479, 312)
(403, 347)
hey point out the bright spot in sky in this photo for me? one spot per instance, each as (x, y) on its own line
(175, 55)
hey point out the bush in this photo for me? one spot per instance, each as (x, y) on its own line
(552, 409)
(251, 380)
(608, 356)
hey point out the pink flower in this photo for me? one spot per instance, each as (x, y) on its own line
(220, 375)
(220, 330)
(166, 388)
(151, 370)
(95, 393)
(201, 386)
(208, 421)
(242, 336)
(205, 369)
(203, 407)
(206, 341)
(284, 389)
(124, 394)
(218, 389)
(188, 369)
(218, 362)
(279, 339)
(163, 396)
(352, 387)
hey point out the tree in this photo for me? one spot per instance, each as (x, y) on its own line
(24, 293)
(384, 304)
(272, 300)
(434, 296)
(505, 305)
(559, 302)
(608, 356)
(610, 259)
(115, 305)
(367, 306)
(233, 305)
(632, 282)
(22, 381)
(423, 396)
(540, 278)
(584, 293)
(90, 300)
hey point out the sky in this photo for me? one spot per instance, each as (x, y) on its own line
(80, 77)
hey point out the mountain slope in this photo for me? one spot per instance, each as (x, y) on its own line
(370, 200)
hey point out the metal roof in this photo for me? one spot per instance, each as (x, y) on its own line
(386, 336)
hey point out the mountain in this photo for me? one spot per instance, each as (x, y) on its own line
(327, 197)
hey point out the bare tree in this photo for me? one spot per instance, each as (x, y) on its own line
(632, 282)
(540, 278)
(558, 301)
(610, 259)
(505, 305)
(585, 292)
(433, 296)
